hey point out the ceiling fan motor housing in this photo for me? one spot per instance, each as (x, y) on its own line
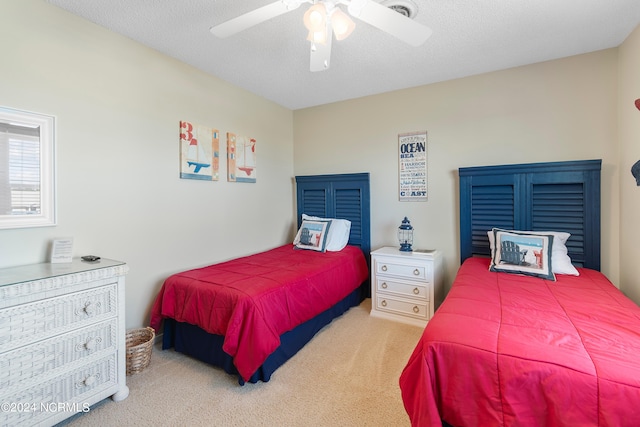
(404, 7)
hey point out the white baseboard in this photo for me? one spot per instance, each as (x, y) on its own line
(158, 338)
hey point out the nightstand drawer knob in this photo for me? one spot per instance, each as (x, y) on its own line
(383, 268)
(416, 291)
(384, 285)
(383, 303)
(416, 272)
(416, 309)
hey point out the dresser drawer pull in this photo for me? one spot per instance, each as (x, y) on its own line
(384, 285)
(416, 291)
(90, 345)
(89, 381)
(383, 303)
(88, 309)
(383, 268)
(416, 272)
(416, 309)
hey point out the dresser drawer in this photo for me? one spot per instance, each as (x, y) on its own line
(45, 357)
(389, 285)
(27, 323)
(390, 304)
(48, 399)
(408, 271)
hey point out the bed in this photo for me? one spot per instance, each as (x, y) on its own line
(251, 314)
(508, 349)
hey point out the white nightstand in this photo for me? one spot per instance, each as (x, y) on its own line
(406, 286)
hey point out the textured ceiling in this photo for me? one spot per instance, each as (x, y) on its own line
(272, 58)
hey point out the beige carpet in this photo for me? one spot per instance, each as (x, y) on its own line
(346, 376)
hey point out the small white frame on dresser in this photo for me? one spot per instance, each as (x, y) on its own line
(62, 339)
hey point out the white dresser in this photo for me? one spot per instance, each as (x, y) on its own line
(62, 340)
(406, 286)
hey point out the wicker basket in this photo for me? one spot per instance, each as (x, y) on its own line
(139, 345)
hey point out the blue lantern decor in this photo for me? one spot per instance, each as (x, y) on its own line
(405, 235)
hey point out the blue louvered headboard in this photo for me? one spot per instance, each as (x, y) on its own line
(344, 196)
(556, 196)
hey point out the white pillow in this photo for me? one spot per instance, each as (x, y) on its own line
(338, 232)
(560, 260)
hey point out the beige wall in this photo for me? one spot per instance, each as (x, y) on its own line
(553, 111)
(629, 154)
(118, 106)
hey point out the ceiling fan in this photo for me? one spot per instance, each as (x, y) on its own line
(324, 19)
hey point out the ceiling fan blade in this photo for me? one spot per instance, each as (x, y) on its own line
(390, 21)
(321, 55)
(255, 17)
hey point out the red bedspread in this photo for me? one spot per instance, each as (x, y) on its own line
(255, 299)
(509, 350)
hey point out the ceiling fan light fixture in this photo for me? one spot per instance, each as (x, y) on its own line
(317, 36)
(315, 18)
(342, 25)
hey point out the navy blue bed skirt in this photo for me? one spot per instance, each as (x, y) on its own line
(196, 342)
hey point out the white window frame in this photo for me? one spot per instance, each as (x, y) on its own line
(47, 209)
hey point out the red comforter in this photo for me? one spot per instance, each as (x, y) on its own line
(510, 350)
(255, 299)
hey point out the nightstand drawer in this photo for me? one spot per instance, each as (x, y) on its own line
(390, 286)
(411, 272)
(406, 308)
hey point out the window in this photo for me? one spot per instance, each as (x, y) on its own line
(26, 169)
